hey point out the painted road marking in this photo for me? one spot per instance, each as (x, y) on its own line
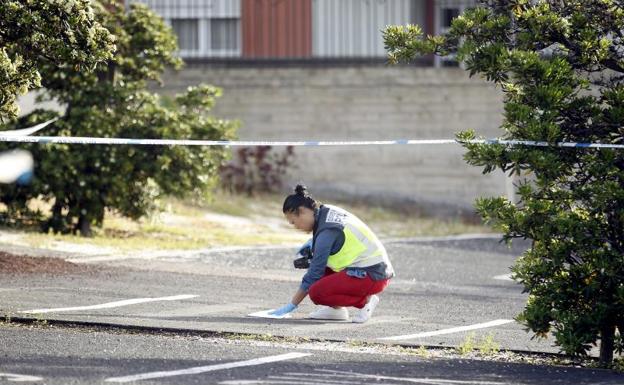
(445, 238)
(278, 382)
(504, 277)
(12, 377)
(431, 381)
(338, 377)
(177, 254)
(287, 381)
(449, 331)
(209, 368)
(304, 378)
(111, 304)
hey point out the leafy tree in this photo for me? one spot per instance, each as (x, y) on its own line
(82, 182)
(560, 65)
(57, 32)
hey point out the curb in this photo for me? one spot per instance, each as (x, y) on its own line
(152, 330)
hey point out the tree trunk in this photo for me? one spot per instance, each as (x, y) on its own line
(607, 335)
(56, 221)
(84, 226)
(57, 212)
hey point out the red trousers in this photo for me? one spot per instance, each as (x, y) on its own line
(340, 289)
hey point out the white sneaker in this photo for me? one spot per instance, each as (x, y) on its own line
(329, 313)
(367, 311)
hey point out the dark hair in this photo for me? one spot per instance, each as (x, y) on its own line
(298, 199)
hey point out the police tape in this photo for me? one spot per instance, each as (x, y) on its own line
(23, 136)
(251, 143)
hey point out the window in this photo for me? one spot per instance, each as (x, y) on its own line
(446, 11)
(224, 34)
(187, 31)
(448, 14)
(449, 62)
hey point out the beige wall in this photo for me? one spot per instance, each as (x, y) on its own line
(27, 103)
(366, 103)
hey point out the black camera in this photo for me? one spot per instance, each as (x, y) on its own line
(304, 261)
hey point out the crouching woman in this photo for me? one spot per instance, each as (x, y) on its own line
(349, 264)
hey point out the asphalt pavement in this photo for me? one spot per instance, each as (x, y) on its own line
(440, 287)
(447, 291)
(52, 355)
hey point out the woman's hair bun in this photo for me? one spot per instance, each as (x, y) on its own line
(301, 190)
(301, 198)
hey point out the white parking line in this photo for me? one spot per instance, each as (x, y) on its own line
(110, 304)
(317, 379)
(276, 381)
(337, 377)
(426, 380)
(177, 254)
(209, 368)
(12, 377)
(449, 331)
(504, 277)
(460, 237)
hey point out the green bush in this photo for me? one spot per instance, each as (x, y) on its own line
(83, 181)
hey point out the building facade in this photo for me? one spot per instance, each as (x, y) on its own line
(315, 70)
(296, 29)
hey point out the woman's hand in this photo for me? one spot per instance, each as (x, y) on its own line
(283, 310)
(306, 248)
(297, 298)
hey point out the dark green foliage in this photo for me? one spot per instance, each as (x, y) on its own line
(560, 65)
(82, 182)
(61, 33)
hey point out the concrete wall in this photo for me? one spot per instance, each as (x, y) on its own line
(366, 103)
(28, 102)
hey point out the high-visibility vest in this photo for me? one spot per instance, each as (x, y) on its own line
(361, 246)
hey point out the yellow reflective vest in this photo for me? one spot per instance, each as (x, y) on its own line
(361, 246)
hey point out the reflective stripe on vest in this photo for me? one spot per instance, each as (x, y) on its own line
(361, 247)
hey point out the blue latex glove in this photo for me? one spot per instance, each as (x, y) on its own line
(283, 310)
(307, 245)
